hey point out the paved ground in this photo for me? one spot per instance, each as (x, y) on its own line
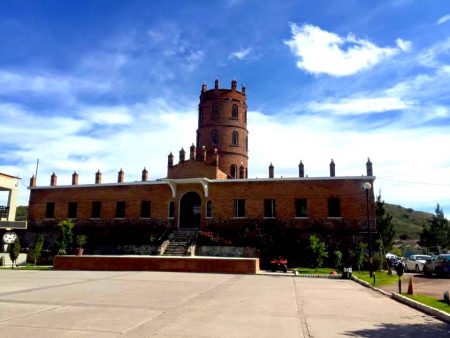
(143, 304)
(425, 285)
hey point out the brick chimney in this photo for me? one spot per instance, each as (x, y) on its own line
(192, 151)
(144, 175)
(369, 168)
(74, 178)
(53, 179)
(182, 155)
(120, 176)
(170, 160)
(301, 169)
(332, 168)
(33, 181)
(98, 177)
(271, 170)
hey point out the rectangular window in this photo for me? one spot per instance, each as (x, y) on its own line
(171, 209)
(239, 208)
(269, 208)
(72, 212)
(209, 209)
(120, 209)
(50, 210)
(96, 209)
(301, 207)
(334, 207)
(146, 207)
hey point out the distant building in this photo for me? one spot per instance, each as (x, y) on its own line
(209, 184)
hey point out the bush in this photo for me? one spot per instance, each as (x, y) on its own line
(66, 227)
(38, 247)
(14, 251)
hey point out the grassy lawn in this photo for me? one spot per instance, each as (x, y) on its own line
(29, 267)
(430, 301)
(324, 271)
(381, 278)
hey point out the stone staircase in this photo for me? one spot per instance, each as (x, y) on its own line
(179, 242)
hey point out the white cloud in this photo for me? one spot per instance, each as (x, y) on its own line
(319, 51)
(107, 115)
(358, 106)
(405, 46)
(240, 54)
(443, 19)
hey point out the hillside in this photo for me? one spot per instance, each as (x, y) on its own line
(408, 223)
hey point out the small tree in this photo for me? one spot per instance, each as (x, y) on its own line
(66, 227)
(384, 225)
(14, 251)
(39, 243)
(81, 240)
(318, 250)
(337, 259)
(360, 254)
(438, 233)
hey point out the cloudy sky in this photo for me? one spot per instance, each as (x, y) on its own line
(88, 85)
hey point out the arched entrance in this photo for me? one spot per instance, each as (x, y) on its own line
(190, 210)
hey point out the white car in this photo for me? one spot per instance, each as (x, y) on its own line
(416, 262)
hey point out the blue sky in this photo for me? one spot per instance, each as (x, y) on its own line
(88, 85)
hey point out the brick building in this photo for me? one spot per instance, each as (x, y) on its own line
(210, 185)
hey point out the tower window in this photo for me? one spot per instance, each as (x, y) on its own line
(209, 209)
(239, 208)
(120, 209)
(214, 137)
(301, 207)
(246, 142)
(235, 112)
(245, 115)
(50, 210)
(200, 114)
(233, 170)
(334, 207)
(269, 208)
(146, 207)
(72, 211)
(235, 138)
(215, 111)
(96, 209)
(171, 210)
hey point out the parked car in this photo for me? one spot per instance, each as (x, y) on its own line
(416, 262)
(439, 264)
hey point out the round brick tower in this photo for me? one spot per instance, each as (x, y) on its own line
(222, 125)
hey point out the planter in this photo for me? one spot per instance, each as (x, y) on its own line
(79, 251)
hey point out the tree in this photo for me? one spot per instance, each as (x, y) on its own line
(360, 255)
(384, 225)
(337, 259)
(14, 251)
(39, 243)
(318, 250)
(66, 227)
(438, 233)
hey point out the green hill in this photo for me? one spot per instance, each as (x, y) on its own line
(408, 223)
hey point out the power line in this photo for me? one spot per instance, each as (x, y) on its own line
(421, 172)
(413, 182)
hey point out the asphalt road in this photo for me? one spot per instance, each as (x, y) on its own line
(145, 304)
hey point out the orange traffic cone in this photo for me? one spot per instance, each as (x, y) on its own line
(411, 286)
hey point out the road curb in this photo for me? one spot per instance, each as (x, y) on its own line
(444, 316)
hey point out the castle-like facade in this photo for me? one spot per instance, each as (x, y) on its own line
(208, 185)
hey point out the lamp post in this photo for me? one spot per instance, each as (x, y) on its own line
(367, 186)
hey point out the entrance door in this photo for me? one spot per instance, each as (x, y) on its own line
(190, 210)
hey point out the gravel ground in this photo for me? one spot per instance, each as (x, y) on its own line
(425, 285)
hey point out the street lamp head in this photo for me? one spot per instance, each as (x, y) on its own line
(367, 186)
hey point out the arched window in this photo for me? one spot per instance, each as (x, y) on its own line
(171, 210)
(215, 111)
(235, 112)
(235, 138)
(246, 142)
(209, 209)
(214, 137)
(233, 171)
(245, 115)
(200, 114)
(198, 140)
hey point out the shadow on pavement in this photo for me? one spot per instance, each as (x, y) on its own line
(414, 330)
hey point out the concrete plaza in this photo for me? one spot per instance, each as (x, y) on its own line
(170, 304)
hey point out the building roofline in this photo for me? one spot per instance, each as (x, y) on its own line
(208, 181)
(10, 176)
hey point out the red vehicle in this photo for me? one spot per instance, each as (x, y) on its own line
(279, 263)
